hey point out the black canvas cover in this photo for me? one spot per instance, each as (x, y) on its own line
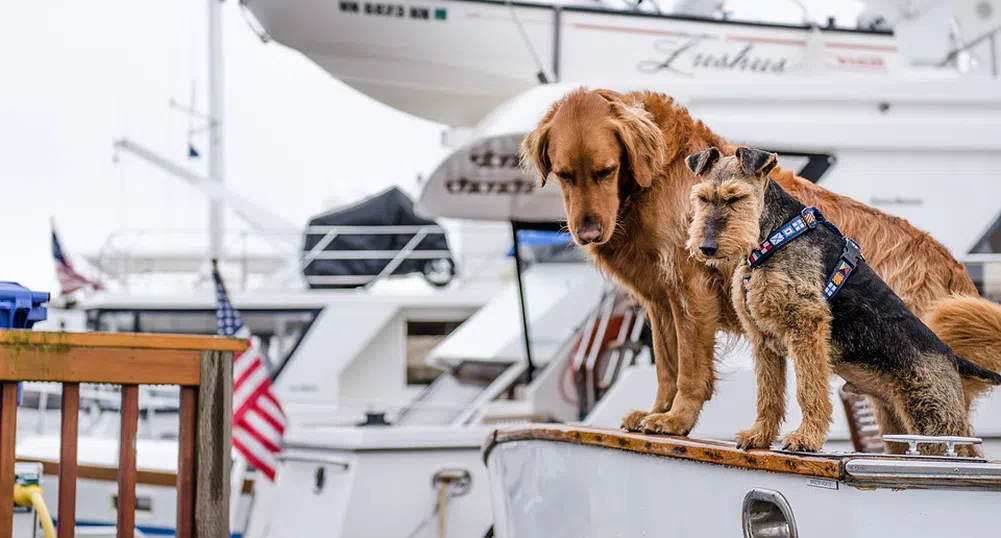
(389, 208)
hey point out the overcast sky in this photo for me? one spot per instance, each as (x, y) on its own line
(75, 75)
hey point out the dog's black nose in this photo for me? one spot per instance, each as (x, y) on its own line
(588, 231)
(709, 247)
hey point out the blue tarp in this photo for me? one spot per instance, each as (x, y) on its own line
(20, 308)
(539, 238)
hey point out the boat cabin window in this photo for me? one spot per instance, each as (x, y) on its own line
(984, 263)
(422, 337)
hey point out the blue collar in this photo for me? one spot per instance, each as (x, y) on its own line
(799, 225)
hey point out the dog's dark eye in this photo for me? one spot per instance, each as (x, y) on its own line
(704, 199)
(731, 201)
(565, 176)
(604, 172)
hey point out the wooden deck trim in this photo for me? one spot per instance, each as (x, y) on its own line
(51, 339)
(126, 506)
(122, 359)
(119, 366)
(110, 474)
(682, 448)
(8, 429)
(187, 426)
(67, 467)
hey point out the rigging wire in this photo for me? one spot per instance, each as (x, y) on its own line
(541, 74)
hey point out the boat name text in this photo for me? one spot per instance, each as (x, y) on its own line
(489, 159)
(684, 56)
(469, 186)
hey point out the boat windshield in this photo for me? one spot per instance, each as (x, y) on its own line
(279, 330)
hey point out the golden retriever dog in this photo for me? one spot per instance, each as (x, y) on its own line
(619, 160)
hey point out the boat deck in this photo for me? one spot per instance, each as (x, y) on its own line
(852, 468)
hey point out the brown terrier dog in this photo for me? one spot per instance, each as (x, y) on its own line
(805, 292)
(619, 160)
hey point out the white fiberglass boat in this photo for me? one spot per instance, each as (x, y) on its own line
(579, 482)
(454, 61)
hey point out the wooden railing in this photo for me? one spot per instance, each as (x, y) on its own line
(202, 366)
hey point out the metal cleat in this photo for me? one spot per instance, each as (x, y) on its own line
(950, 442)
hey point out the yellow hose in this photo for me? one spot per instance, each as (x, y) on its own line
(31, 495)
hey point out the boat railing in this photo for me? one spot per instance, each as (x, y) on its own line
(609, 340)
(100, 401)
(256, 259)
(201, 366)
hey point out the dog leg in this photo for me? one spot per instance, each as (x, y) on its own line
(889, 423)
(809, 345)
(936, 407)
(665, 356)
(696, 334)
(770, 368)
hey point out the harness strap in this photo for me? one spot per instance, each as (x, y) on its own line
(799, 225)
(850, 256)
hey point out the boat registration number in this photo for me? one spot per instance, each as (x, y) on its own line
(822, 483)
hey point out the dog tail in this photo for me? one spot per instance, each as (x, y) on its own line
(969, 370)
(971, 326)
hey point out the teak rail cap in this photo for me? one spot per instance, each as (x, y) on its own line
(180, 342)
(147, 359)
(684, 448)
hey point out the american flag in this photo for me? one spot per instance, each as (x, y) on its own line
(258, 419)
(69, 279)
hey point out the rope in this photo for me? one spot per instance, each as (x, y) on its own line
(441, 501)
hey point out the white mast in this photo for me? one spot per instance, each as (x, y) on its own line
(215, 155)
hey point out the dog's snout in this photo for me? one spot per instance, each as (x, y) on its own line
(588, 231)
(709, 247)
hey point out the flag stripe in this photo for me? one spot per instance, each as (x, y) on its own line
(263, 419)
(262, 430)
(258, 419)
(269, 407)
(69, 279)
(256, 455)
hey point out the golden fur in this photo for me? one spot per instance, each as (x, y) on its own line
(635, 219)
(972, 328)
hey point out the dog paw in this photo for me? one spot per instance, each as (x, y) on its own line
(755, 437)
(631, 422)
(798, 441)
(669, 423)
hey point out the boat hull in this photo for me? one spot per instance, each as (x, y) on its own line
(551, 489)
(454, 61)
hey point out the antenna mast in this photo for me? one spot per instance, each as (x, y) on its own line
(215, 113)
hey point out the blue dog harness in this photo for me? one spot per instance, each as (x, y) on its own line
(799, 225)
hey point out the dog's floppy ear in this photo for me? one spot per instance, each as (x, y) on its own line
(755, 162)
(535, 147)
(702, 161)
(641, 139)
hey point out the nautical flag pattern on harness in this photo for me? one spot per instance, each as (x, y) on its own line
(787, 232)
(258, 419)
(837, 279)
(800, 224)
